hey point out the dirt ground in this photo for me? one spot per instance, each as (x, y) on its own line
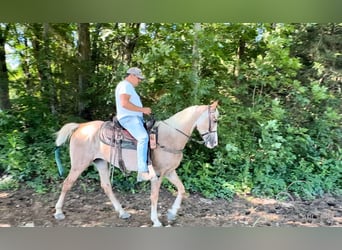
(91, 208)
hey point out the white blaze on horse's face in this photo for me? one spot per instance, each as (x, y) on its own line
(207, 127)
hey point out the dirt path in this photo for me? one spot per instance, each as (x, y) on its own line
(24, 208)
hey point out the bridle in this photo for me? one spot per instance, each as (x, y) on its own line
(210, 112)
(210, 131)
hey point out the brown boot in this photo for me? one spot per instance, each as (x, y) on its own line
(143, 176)
(151, 170)
(146, 176)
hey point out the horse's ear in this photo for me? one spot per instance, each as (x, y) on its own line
(214, 104)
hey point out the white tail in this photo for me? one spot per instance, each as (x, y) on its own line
(65, 132)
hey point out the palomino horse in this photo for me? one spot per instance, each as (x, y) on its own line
(173, 134)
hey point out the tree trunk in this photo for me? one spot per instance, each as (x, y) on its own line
(4, 82)
(41, 47)
(196, 61)
(84, 52)
(130, 41)
(239, 54)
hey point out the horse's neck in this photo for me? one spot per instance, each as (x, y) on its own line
(184, 121)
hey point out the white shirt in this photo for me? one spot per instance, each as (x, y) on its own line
(125, 87)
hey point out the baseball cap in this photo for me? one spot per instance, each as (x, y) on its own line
(136, 71)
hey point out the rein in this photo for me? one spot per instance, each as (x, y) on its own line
(188, 136)
(179, 151)
(172, 151)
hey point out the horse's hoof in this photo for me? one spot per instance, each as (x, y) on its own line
(171, 216)
(125, 215)
(59, 216)
(157, 224)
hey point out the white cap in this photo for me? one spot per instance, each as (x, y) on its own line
(136, 71)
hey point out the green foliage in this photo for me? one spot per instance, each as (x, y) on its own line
(8, 183)
(201, 176)
(284, 155)
(26, 145)
(128, 182)
(278, 87)
(120, 181)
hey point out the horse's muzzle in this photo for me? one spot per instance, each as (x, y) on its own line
(210, 140)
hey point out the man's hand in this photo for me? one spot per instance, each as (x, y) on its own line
(146, 110)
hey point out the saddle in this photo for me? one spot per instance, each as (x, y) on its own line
(116, 136)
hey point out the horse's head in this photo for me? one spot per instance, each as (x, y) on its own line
(207, 125)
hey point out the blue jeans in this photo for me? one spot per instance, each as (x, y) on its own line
(135, 126)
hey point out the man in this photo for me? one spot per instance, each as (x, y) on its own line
(130, 112)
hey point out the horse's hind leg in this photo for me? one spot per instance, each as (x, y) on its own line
(174, 179)
(67, 185)
(102, 167)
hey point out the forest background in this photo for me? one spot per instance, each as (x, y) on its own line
(278, 86)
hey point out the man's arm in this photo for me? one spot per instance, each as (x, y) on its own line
(125, 103)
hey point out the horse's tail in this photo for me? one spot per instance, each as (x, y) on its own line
(65, 132)
(62, 136)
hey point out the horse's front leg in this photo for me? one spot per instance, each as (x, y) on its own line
(174, 179)
(155, 187)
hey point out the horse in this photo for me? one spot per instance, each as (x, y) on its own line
(85, 148)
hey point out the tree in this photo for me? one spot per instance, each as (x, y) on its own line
(41, 42)
(5, 103)
(85, 70)
(279, 87)
(196, 61)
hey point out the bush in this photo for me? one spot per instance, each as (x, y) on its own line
(26, 145)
